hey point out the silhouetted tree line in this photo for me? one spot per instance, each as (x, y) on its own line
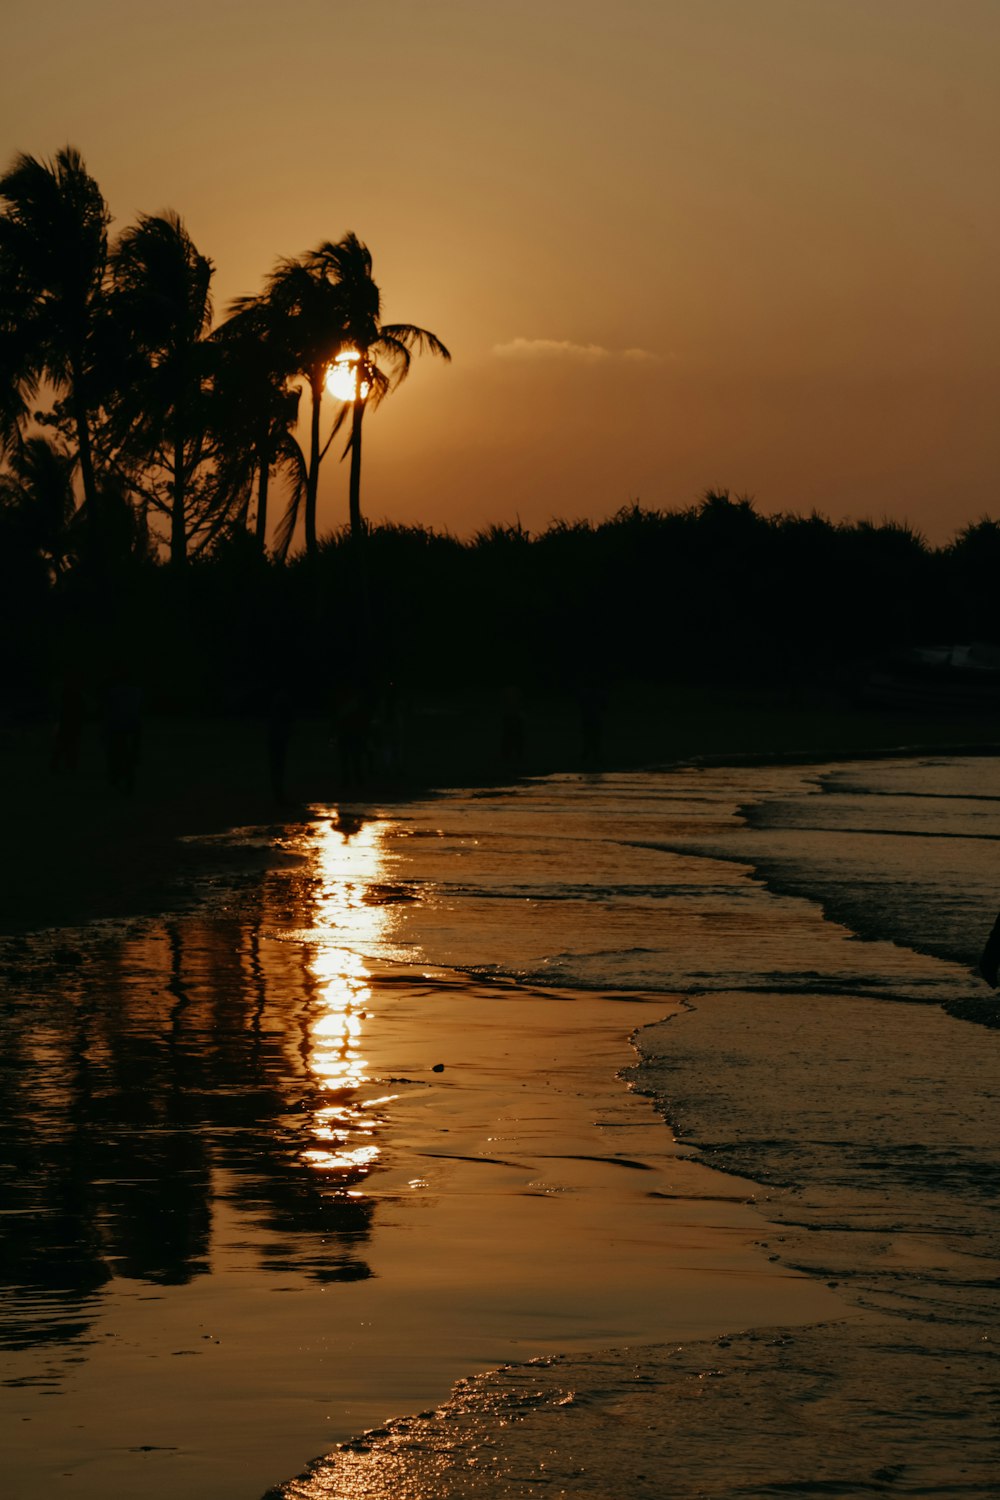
(144, 452)
(175, 429)
(715, 592)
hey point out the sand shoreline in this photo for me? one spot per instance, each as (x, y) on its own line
(757, 1412)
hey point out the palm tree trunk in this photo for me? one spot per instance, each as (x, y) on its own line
(262, 486)
(312, 478)
(362, 593)
(178, 520)
(84, 450)
(357, 525)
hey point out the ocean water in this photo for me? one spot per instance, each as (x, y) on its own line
(224, 1158)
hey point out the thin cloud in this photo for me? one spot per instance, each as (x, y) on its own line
(565, 349)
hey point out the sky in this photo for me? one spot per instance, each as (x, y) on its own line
(672, 245)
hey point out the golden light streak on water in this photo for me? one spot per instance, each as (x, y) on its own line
(350, 864)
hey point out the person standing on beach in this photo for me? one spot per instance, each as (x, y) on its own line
(353, 730)
(280, 715)
(512, 726)
(121, 726)
(69, 726)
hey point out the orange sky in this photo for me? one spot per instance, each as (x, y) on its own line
(671, 244)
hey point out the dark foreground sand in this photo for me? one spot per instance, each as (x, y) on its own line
(74, 849)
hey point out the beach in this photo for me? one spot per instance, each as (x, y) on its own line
(499, 812)
(358, 1117)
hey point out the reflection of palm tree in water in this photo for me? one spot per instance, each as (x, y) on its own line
(253, 1108)
(53, 1268)
(268, 1099)
(164, 1079)
(155, 1168)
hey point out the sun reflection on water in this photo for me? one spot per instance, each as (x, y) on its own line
(350, 862)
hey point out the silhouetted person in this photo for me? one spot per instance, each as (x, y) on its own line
(593, 701)
(69, 725)
(989, 963)
(512, 726)
(280, 715)
(390, 730)
(354, 724)
(121, 726)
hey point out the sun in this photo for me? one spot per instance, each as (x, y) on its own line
(342, 377)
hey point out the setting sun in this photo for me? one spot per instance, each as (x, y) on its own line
(342, 377)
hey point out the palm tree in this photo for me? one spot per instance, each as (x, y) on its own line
(254, 413)
(348, 265)
(301, 313)
(53, 256)
(161, 304)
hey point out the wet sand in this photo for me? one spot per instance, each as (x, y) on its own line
(895, 1392)
(527, 1203)
(771, 1412)
(866, 1115)
(901, 1398)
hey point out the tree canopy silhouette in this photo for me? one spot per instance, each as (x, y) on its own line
(160, 302)
(348, 264)
(255, 413)
(298, 315)
(312, 309)
(53, 259)
(185, 425)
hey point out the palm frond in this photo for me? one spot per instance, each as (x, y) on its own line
(291, 460)
(161, 282)
(56, 212)
(396, 343)
(338, 423)
(380, 384)
(421, 340)
(295, 466)
(15, 409)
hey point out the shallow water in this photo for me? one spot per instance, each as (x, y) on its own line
(227, 1150)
